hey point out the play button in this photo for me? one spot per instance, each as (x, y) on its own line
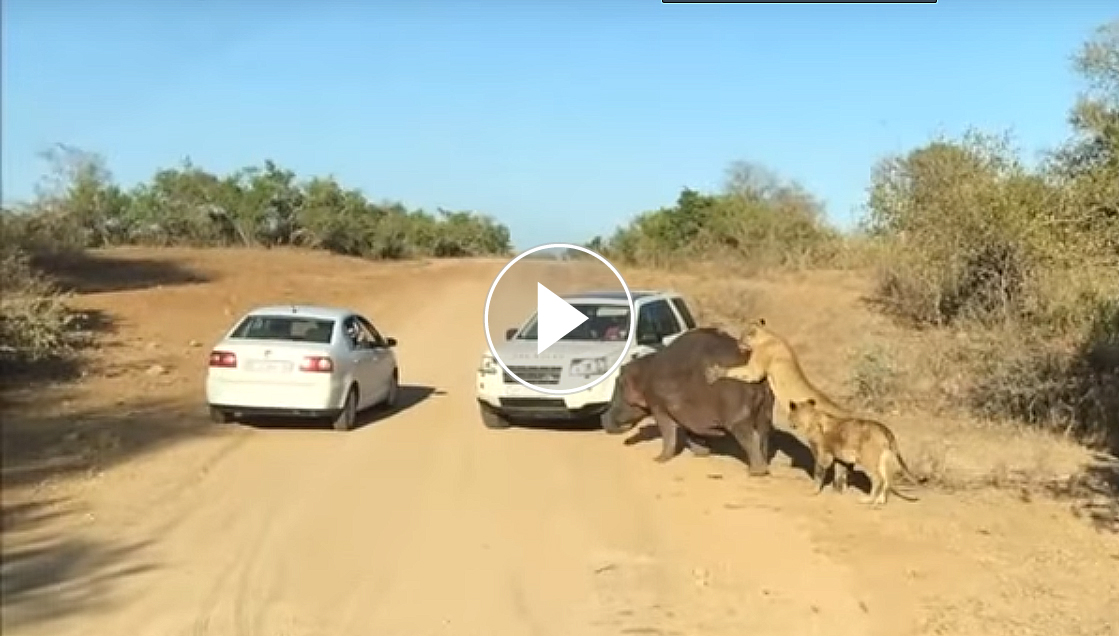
(555, 317)
(559, 319)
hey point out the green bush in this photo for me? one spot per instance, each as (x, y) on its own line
(254, 206)
(758, 221)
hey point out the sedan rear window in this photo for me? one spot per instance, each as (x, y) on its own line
(289, 328)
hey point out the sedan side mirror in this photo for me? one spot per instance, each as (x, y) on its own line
(510, 332)
(390, 342)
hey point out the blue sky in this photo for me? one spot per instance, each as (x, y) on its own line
(561, 119)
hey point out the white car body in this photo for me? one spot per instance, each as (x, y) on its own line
(272, 362)
(569, 363)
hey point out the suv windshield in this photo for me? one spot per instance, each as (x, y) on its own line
(289, 328)
(607, 323)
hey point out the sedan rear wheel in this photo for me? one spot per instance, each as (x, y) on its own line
(346, 418)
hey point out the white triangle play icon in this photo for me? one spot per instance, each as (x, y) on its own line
(555, 318)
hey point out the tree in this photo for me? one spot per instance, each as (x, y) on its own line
(79, 187)
(1095, 117)
(1089, 163)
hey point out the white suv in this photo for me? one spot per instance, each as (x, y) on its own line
(581, 355)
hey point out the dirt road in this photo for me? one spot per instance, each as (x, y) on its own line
(423, 522)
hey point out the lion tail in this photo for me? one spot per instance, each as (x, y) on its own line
(903, 495)
(887, 462)
(891, 456)
(905, 467)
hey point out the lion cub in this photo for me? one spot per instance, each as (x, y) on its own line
(866, 443)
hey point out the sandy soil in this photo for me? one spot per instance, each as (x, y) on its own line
(127, 512)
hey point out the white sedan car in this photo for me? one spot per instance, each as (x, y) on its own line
(304, 361)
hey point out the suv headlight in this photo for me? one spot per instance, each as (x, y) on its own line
(589, 367)
(489, 366)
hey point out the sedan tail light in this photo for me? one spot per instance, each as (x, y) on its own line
(224, 359)
(316, 364)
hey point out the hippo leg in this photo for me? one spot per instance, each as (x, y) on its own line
(695, 445)
(751, 442)
(670, 435)
(764, 433)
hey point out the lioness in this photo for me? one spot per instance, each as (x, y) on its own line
(773, 359)
(851, 440)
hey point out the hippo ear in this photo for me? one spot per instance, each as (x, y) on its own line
(811, 401)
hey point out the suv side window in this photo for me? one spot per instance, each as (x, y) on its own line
(666, 321)
(646, 328)
(656, 319)
(682, 309)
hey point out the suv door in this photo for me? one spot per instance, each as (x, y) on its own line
(668, 325)
(684, 312)
(655, 322)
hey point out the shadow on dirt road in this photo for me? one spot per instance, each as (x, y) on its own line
(800, 456)
(48, 575)
(410, 395)
(580, 425)
(37, 448)
(92, 273)
(1096, 493)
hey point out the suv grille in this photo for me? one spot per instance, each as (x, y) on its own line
(535, 375)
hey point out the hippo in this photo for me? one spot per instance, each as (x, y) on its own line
(670, 385)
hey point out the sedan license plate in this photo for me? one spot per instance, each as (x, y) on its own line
(269, 366)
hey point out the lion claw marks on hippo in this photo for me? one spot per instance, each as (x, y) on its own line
(670, 385)
(714, 373)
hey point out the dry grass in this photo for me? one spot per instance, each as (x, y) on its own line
(37, 327)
